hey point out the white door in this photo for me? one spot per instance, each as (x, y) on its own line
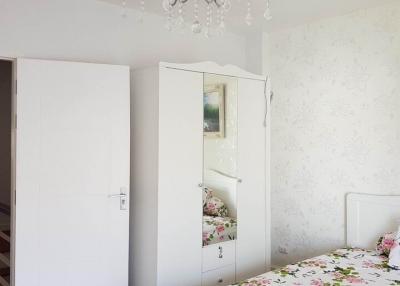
(73, 138)
(251, 194)
(180, 173)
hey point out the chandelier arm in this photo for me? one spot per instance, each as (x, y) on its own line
(174, 2)
(218, 3)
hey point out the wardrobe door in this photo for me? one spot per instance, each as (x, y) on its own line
(251, 194)
(180, 173)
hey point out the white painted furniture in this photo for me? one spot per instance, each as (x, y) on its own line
(369, 216)
(167, 179)
(220, 276)
(219, 255)
(72, 165)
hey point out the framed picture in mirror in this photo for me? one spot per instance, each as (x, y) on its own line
(214, 111)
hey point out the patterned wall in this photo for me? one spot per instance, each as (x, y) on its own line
(335, 125)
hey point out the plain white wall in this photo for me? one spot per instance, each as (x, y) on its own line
(92, 31)
(335, 124)
(255, 52)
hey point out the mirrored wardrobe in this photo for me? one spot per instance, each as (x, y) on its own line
(200, 175)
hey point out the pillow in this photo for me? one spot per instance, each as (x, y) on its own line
(394, 256)
(212, 205)
(207, 194)
(385, 243)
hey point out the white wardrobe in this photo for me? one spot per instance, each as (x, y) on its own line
(167, 178)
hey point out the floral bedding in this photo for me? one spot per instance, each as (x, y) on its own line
(218, 229)
(340, 268)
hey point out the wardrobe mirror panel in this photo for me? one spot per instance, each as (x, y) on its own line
(220, 127)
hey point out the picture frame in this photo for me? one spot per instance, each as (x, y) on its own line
(214, 111)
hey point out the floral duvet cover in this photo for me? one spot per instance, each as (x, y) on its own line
(218, 229)
(340, 268)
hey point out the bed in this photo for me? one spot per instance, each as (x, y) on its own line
(348, 266)
(368, 217)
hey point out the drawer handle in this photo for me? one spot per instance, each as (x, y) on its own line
(220, 280)
(221, 255)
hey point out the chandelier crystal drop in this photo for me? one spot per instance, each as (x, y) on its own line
(196, 26)
(249, 16)
(268, 13)
(169, 20)
(227, 5)
(141, 12)
(166, 4)
(180, 21)
(177, 14)
(123, 12)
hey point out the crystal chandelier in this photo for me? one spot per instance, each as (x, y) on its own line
(214, 16)
(213, 20)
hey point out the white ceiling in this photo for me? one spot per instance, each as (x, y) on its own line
(286, 13)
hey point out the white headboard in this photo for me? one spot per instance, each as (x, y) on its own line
(369, 216)
(224, 187)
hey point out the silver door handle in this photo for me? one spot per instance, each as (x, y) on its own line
(117, 196)
(123, 198)
(221, 252)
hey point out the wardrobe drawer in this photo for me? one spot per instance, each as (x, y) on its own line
(219, 277)
(219, 255)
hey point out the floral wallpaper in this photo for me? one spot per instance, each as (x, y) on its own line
(335, 125)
